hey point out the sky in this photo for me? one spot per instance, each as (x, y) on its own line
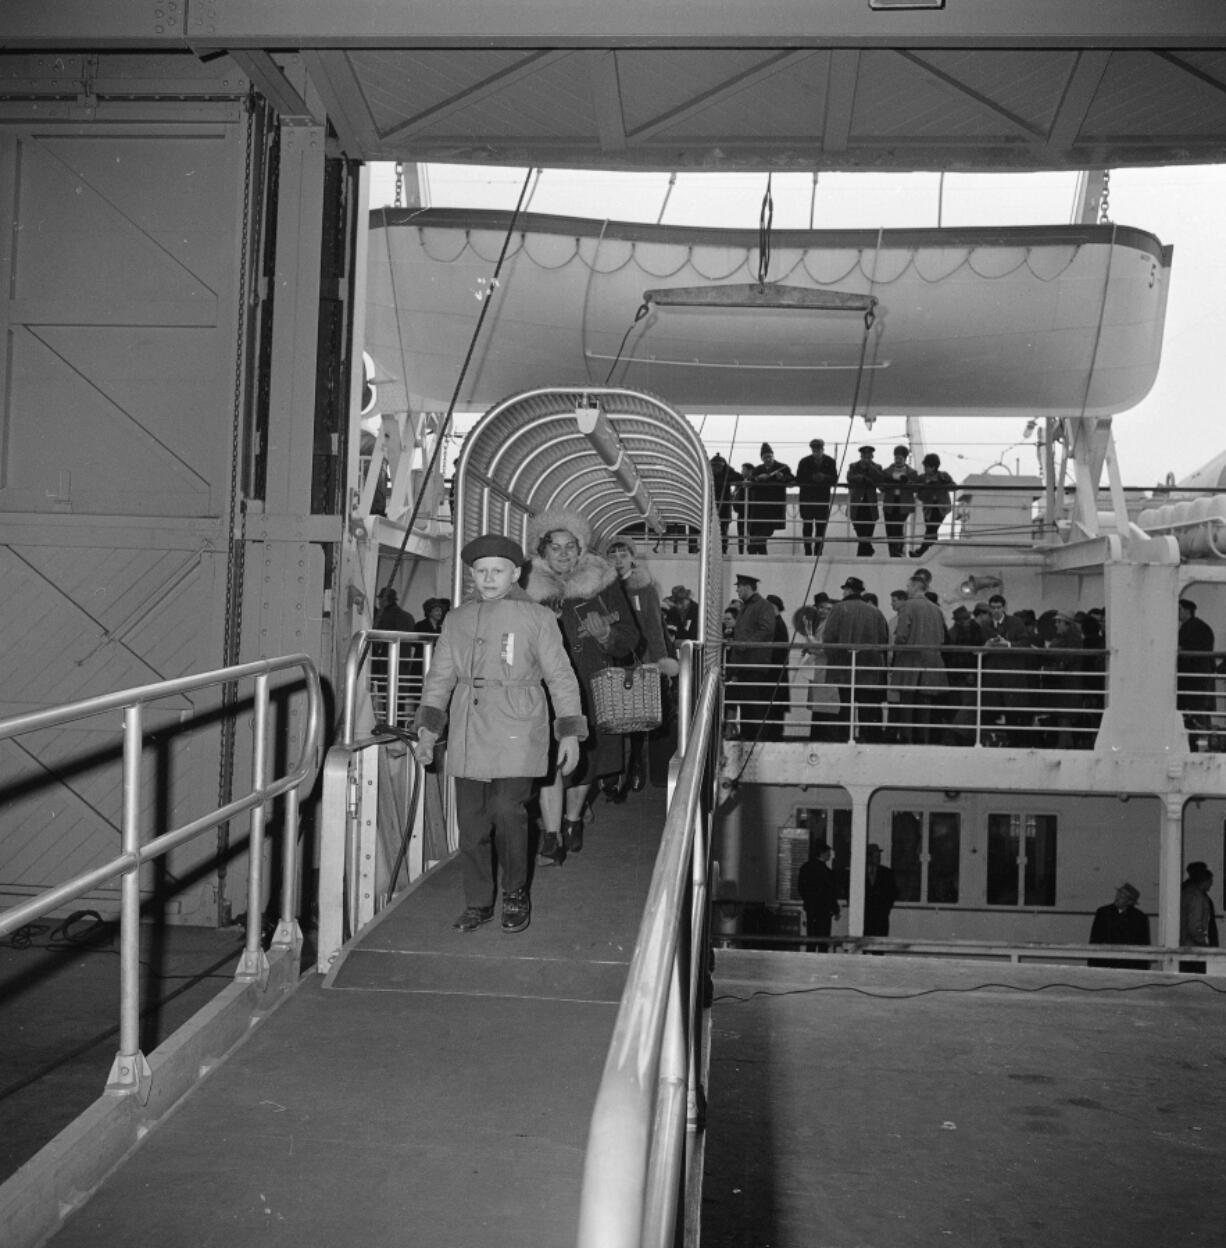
(1175, 430)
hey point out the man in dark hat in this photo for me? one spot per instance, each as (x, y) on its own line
(683, 615)
(725, 479)
(864, 478)
(1194, 680)
(880, 893)
(1120, 923)
(855, 627)
(935, 493)
(816, 475)
(818, 894)
(390, 615)
(751, 687)
(897, 499)
(767, 499)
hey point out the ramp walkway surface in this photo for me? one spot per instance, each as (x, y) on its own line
(435, 1090)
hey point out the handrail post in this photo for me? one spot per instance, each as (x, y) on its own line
(130, 1071)
(289, 934)
(253, 965)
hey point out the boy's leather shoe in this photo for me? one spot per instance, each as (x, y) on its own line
(516, 910)
(473, 917)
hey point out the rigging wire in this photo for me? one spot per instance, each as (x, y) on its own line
(441, 437)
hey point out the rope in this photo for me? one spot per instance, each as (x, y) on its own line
(455, 394)
(766, 219)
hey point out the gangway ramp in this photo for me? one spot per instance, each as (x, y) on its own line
(436, 1089)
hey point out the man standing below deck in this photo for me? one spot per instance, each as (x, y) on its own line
(751, 685)
(918, 669)
(863, 479)
(819, 895)
(880, 893)
(855, 638)
(1120, 923)
(816, 476)
(1008, 687)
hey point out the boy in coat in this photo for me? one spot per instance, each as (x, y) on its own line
(489, 663)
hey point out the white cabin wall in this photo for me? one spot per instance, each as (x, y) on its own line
(1101, 842)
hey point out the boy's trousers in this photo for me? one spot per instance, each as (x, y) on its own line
(493, 823)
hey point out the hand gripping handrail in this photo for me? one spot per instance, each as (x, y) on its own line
(633, 1171)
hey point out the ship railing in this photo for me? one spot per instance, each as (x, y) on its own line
(130, 1071)
(1000, 512)
(1165, 958)
(946, 695)
(643, 1160)
(385, 819)
(1200, 697)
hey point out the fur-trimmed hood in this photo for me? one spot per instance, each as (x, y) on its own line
(546, 522)
(587, 578)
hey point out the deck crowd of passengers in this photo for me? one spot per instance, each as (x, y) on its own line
(985, 675)
(756, 499)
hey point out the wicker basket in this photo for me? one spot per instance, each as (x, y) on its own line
(627, 699)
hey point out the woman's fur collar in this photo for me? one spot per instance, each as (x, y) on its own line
(587, 578)
(639, 578)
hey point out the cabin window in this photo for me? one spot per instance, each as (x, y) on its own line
(925, 848)
(1021, 860)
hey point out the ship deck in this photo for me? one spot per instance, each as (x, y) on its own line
(436, 1089)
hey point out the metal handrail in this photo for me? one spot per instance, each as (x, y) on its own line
(632, 1174)
(130, 1071)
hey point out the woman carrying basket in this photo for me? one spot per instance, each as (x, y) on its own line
(598, 629)
(644, 599)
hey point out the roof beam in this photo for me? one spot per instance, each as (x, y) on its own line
(299, 24)
(266, 76)
(949, 82)
(738, 82)
(841, 77)
(1078, 96)
(494, 84)
(607, 101)
(342, 95)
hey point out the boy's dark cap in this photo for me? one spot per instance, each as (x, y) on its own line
(868, 450)
(492, 546)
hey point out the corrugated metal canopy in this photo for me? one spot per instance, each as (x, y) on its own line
(529, 454)
(780, 84)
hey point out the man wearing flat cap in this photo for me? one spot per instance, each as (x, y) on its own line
(1120, 923)
(816, 475)
(857, 627)
(864, 478)
(750, 689)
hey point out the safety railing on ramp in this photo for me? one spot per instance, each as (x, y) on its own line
(644, 1154)
(130, 1070)
(377, 817)
(139, 1091)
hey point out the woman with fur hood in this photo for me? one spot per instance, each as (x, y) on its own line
(598, 628)
(645, 602)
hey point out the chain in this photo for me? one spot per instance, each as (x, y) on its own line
(1104, 200)
(398, 202)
